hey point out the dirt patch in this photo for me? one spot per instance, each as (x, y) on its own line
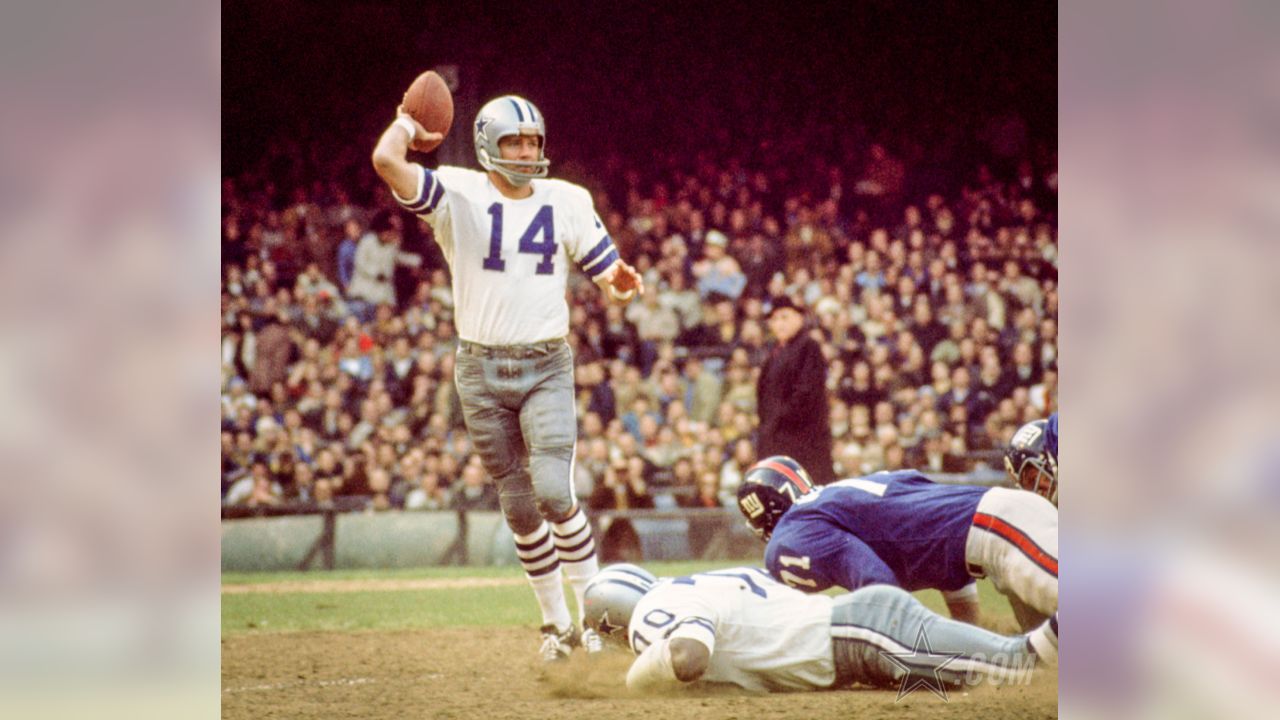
(492, 673)
(338, 586)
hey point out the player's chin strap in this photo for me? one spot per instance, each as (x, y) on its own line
(653, 670)
(508, 168)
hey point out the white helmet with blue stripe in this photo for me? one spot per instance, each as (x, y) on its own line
(611, 597)
(502, 117)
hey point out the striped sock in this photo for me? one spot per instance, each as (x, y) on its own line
(577, 551)
(537, 553)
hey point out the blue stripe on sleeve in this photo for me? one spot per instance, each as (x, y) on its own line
(427, 187)
(603, 265)
(600, 249)
(699, 621)
(435, 198)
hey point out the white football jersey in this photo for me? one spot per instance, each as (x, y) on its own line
(510, 258)
(763, 635)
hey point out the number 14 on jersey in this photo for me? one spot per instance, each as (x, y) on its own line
(543, 225)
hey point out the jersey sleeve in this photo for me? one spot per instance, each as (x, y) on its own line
(429, 200)
(590, 246)
(679, 613)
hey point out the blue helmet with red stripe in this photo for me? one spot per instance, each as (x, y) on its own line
(768, 491)
(1030, 462)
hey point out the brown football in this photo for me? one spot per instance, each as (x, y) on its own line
(429, 102)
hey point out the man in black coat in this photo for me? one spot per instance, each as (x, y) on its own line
(792, 396)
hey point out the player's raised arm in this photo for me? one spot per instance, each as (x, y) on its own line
(389, 155)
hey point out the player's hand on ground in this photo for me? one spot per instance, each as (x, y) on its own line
(421, 136)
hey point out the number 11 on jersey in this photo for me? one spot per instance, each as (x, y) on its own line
(791, 578)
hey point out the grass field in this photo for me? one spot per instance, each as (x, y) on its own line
(461, 642)
(371, 600)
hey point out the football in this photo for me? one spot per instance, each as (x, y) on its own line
(429, 102)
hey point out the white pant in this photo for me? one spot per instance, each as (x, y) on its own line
(1014, 542)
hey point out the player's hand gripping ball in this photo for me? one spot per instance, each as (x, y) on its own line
(429, 101)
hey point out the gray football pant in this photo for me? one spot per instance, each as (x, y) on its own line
(518, 405)
(875, 623)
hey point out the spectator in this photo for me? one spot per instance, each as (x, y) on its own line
(623, 488)
(476, 492)
(792, 396)
(718, 273)
(428, 495)
(733, 469)
(376, 258)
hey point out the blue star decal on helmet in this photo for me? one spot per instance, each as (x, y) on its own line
(606, 627)
(921, 667)
(480, 125)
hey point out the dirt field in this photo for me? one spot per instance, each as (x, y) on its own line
(491, 673)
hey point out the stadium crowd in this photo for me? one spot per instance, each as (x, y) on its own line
(935, 302)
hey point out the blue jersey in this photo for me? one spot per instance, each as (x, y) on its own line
(897, 528)
(1051, 436)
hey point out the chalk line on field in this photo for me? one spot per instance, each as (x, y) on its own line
(371, 584)
(341, 682)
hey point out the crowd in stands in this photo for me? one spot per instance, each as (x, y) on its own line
(936, 308)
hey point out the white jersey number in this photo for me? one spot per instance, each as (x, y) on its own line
(791, 578)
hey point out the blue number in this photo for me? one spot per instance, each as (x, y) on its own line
(494, 261)
(543, 223)
(663, 621)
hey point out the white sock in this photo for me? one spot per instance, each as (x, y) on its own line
(538, 556)
(1044, 640)
(577, 551)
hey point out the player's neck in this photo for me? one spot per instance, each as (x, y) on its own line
(509, 190)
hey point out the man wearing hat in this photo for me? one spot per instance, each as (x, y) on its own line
(791, 394)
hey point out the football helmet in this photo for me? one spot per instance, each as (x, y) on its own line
(768, 490)
(1030, 463)
(611, 597)
(502, 117)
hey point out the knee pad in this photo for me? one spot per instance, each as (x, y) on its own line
(520, 512)
(556, 509)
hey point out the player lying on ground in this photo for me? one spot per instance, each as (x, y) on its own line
(900, 528)
(1032, 458)
(509, 235)
(740, 626)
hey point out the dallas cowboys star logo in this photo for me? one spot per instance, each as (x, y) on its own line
(480, 125)
(921, 667)
(607, 628)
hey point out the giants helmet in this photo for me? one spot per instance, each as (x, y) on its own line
(503, 117)
(768, 490)
(1030, 463)
(611, 597)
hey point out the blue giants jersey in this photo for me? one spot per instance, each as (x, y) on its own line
(897, 528)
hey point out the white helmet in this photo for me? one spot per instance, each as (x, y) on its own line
(611, 597)
(502, 117)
